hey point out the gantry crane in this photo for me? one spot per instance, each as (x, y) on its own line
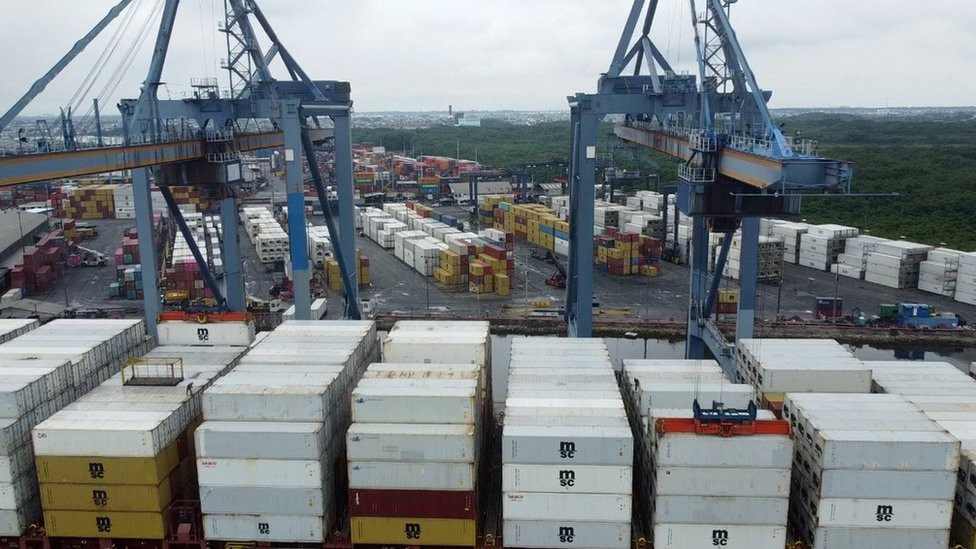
(738, 166)
(197, 141)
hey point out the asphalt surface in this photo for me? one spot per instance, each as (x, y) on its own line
(397, 288)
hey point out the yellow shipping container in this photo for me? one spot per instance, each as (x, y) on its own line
(728, 296)
(502, 284)
(364, 276)
(105, 524)
(106, 497)
(413, 531)
(615, 253)
(108, 470)
(601, 255)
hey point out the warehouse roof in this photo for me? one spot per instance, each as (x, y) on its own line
(10, 225)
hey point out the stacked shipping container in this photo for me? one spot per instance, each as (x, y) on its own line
(44, 370)
(271, 439)
(895, 264)
(869, 471)
(966, 279)
(416, 440)
(42, 264)
(567, 452)
(111, 463)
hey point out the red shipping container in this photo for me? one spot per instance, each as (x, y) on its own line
(496, 252)
(412, 503)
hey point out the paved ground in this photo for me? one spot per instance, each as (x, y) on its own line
(395, 287)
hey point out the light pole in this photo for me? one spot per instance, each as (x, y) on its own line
(427, 279)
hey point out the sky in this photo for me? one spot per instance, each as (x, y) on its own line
(415, 55)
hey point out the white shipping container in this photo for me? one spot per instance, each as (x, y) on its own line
(569, 507)
(730, 536)
(720, 510)
(547, 534)
(884, 513)
(877, 538)
(571, 445)
(260, 440)
(259, 472)
(254, 500)
(411, 442)
(392, 475)
(842, 484)
(567, 478)
(691, 450)
(738, 481)
(406, 404)
(173, 332)
(265, 527)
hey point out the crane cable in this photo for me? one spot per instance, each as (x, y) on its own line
(104, 57)
(125, 63)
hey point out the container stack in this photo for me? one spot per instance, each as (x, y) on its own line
(945, 395)
(966, 279)
(334, 276)
(853, 262)
(269, 239)
(939, 272)
(895, 263)
(716, 489)
(319, 244)
(45, 370)
(869, 471)
(271, 437)
(770, 267)
(125, 204)
(415, 445)
(637, 376)
(41, 265)
(111, 464)
(821, 244)
(791, 233)
(567, 450)
(128, 271)
(89, 202)
(779, 366)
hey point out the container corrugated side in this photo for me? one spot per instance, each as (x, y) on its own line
(582, 507)
(107, 497)
(565, 533)
(720, 510)
(100, 524)
(264, 528)
(693, 481)
(410, 442)
(260, 440)
(875, 538)
(567, 478)
(698, 536)
(413, 531)
(263, 472)
(412, 503)
(576, 445)
(842, 483)
(411, 475)
(110, 470)
(413, 405)
(889, 513)
(237, 500)
(690, 450)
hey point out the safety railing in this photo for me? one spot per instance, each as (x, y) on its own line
(155, 371)
(696, 174)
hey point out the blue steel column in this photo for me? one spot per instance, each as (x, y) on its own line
(347, 222)
(579, 294)
(147, 250)
(694, 345)
(231, 251)
(297, 233)
(748, 273)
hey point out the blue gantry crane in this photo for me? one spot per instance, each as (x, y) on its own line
(198, 140)
(737, 165)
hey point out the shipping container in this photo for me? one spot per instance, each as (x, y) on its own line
(264, 528)
(565, 533)
(259, 472)
(892, 513)
(410, 442)
(254, 500)
(261, 440)
(728, 481)
(576, 445)
(732, 536)
(101, 524)
(720, 510)
(582, 507)
(567, 478)
(397, 475)
(412, 503)
(413, 531)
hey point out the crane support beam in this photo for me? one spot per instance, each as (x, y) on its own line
(31, 168)
(756, 170)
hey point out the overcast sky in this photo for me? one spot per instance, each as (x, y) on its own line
(520, 54)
